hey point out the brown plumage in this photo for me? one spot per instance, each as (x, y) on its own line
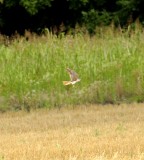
(73, 77)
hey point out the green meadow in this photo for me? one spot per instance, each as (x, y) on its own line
(110, 65)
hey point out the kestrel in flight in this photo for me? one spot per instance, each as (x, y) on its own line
(73, 78)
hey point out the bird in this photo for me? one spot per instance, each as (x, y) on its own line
(74, 78)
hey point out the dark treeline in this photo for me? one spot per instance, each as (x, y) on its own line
(35, 15)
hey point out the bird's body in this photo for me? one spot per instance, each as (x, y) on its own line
(73, 78)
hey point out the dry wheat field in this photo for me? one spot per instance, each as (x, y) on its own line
(93, 132)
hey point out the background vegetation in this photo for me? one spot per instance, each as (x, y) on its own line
(110, 65)
(35, 15)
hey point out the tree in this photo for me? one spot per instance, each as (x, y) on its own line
(38, 14)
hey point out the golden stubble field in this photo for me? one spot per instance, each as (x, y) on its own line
(82, 133)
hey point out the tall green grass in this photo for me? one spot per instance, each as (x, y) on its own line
(110, 65)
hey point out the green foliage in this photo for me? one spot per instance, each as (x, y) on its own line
(94, 18)
(110, 66)
(10, 3)
(34, 6)
(126, 9)
(77, 4)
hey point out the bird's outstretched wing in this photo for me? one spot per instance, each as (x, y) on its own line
(67, 83)
(73, 77)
